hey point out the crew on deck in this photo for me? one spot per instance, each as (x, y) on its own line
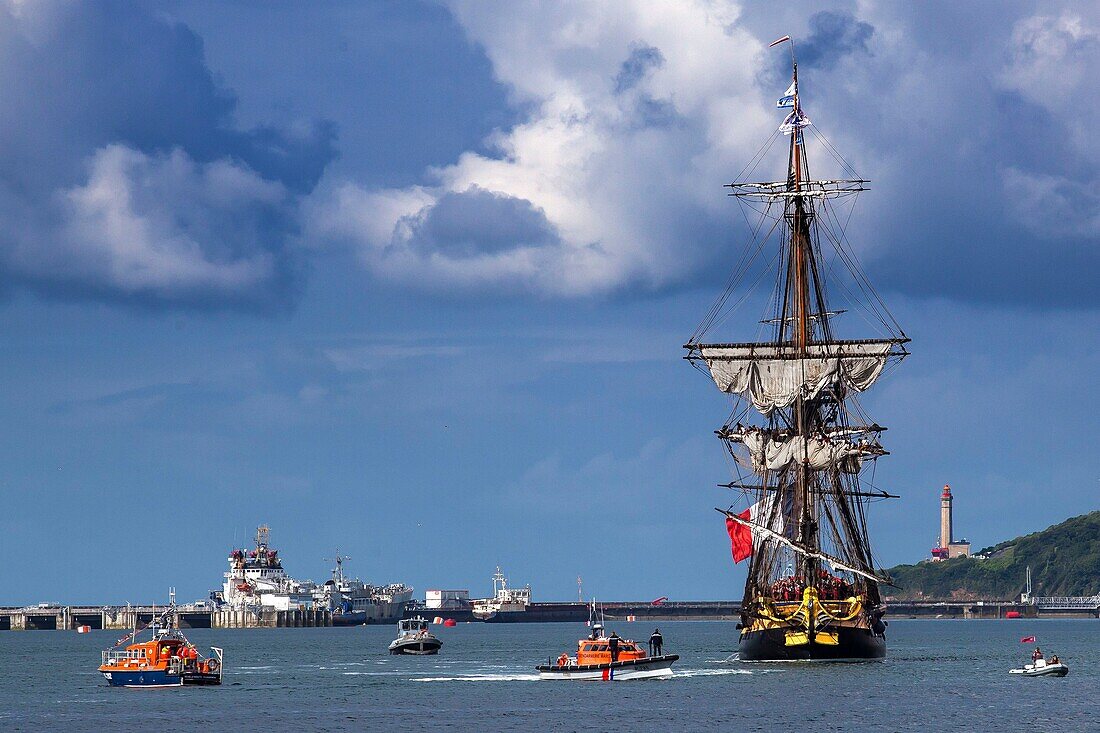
(655, 643)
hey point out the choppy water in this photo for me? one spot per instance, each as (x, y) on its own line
(941, 676)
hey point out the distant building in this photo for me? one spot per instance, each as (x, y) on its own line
(948, 547)
(446, 599)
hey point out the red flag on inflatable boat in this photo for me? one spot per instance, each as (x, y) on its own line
(1027, 640)
(740, 537)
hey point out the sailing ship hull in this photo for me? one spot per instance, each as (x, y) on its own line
(770, 645)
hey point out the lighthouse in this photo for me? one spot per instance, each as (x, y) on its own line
(948, 547)
(945, 516)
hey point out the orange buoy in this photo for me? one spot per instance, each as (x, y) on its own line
(450, 622)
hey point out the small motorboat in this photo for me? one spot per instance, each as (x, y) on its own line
(166, 659)
(603, 657)
(1043, 668)
(414, 638)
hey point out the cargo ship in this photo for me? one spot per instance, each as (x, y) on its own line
(257, 581)
(504, 603)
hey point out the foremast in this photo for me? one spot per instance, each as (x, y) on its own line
(808, 520)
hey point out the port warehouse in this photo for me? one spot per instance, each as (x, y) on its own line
(53, 617)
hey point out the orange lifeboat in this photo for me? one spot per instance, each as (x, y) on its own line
(608, 657)
(167, 659)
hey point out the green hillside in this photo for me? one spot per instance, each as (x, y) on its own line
(1064, 560)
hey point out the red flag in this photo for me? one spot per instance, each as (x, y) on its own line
(740, 537)
(1027, 640)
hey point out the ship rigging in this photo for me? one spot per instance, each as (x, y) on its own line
(798, 429)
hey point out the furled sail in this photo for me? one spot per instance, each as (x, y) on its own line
(774, 375)
(771, 453)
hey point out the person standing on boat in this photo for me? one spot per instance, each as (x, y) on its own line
(1036, 655)
(655, 643)
(613, 643)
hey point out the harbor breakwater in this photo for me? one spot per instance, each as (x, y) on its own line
(67, 618)
(48, 617)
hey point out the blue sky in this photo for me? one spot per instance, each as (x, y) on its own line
(412, 280)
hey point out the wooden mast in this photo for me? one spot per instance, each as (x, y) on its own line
(801, 331)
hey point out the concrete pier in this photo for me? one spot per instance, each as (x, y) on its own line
(269, 619)
(120, 618)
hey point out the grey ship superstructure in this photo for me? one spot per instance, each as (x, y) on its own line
(256, 581)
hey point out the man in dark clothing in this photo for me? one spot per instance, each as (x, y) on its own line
(613, 642)
(655, 642)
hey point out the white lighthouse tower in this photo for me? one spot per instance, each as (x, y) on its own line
(948, 547)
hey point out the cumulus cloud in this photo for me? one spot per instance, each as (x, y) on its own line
(123, 175)
(629, 136)
(1053, 61)
(635, 113)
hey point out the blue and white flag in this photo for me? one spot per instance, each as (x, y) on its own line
(794, 121)
(787, 100)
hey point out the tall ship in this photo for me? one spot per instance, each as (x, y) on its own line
(256, 581)
(803, 448)
(505, 601)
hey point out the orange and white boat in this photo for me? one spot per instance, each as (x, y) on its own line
(603, 657)
(167, 659)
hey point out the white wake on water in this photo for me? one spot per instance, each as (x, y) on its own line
(713, 672)
(480, 678)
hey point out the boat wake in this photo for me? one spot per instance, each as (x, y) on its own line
(715, 672)
(480, 678)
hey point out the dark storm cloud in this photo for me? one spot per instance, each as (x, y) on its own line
(833, 35)
(646, 110)
(641, 61)
(123, 175)
(476, 222)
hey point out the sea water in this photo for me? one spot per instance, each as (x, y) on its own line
(941, 675)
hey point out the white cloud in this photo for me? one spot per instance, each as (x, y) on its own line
(1053, 61)
(612, 181)
(1053, 65)
(123, 175)
(1053, 205)
(375, 356)
(635, 113)
(162, 226)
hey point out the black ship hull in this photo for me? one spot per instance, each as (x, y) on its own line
(769, 645)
